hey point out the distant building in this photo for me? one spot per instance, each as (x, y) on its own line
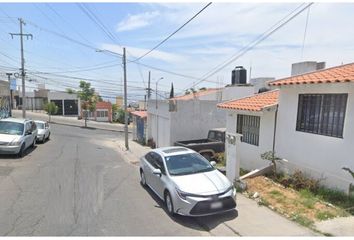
(68, 104)
(119, 101)
(4, 99)
(139, 126)
(103, 112)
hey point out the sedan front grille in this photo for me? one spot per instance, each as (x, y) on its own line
(4, 143)
(204, 207)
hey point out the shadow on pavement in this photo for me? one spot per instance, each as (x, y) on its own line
(29, 150)
(88, 128)
(206, 223)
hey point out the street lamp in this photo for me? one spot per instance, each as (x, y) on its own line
(125, 93)
(156, 89)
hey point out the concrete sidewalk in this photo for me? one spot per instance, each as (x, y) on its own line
(72, 121)
(343, 226)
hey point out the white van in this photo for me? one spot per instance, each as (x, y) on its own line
(16, 135)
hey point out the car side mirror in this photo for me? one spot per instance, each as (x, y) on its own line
(28, 133)
(157, 171)
(213, 163)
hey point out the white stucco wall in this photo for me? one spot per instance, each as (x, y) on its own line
(194, 119)
(319, 156)
(158, 122)
(250, 155)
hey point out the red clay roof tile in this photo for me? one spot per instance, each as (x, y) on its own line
(253, 103)
(338, 74)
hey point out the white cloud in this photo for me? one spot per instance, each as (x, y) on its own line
(133, 52)
(133, 22)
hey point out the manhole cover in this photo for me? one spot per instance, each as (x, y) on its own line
(5, 171)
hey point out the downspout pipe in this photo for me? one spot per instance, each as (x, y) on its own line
(275, 129)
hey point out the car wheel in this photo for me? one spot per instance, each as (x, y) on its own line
(169, 204)
(22, 151)
(142, 178)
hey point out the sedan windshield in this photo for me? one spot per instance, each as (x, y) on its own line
(187, 164)
(11, 128)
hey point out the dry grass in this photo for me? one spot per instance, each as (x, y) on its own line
(302, 207)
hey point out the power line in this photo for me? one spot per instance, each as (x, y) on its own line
(254, 43)
(303, 41)
(68, 24)
(169, 36)
(96, 21)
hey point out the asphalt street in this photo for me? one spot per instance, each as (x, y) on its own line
(74, 186)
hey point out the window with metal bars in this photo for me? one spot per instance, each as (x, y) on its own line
(322, 114)
(248, 126)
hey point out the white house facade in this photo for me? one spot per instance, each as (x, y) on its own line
(315, 126)
(252, 120)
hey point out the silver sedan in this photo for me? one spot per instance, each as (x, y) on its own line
(187, 183)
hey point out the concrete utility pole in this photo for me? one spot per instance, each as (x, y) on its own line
(125, 101)
(10, 91)
(23, 74)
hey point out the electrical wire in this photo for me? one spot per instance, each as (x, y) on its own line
(254, 43)
(173, 33)
(303, 41)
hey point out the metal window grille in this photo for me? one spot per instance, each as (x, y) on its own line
(248, 126)
(322, 114)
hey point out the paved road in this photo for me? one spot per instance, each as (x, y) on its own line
(71, 185)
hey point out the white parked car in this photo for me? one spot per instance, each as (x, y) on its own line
(187, 183)
(16, 135)
(43, 130)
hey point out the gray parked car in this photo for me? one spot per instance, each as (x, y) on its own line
(43, 130)
(16, 135)
(187, 183)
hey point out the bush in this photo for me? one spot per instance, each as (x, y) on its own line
(299, 180)
(220, 158)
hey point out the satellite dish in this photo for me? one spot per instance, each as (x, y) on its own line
(17, 75)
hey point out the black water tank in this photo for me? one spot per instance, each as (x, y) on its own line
(239, 75)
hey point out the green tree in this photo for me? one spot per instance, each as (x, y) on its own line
(70, 91)
(172, 92)
(88, 97)
(270, 156)
(51, 109)
(121, 116)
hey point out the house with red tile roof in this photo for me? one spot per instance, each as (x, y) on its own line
(139, 126)
(308, 120)
(103, 112)
(250, 120)
(315, 124)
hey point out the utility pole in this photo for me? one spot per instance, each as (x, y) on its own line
(23, 74)
(125, 101)
(10, 91)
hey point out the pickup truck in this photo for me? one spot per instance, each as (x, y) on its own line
(209, 147)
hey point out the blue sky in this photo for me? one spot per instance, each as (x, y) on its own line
(210, 39)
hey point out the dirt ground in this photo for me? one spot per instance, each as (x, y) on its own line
(303, 207)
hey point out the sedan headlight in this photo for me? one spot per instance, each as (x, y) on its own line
(15, 143)
(184, 195)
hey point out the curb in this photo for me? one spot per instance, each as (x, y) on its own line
(92, 128)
